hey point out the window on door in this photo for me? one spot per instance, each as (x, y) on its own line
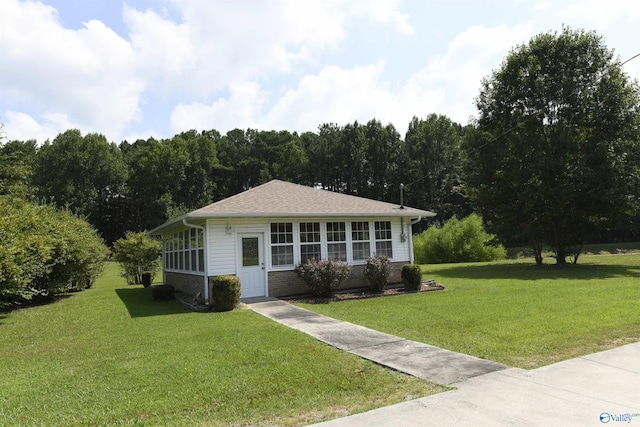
(250, 251)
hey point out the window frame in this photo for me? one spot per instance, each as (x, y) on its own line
(310, 239)
(387, 238)
(339, 242)
(360, 238)
(278, 234)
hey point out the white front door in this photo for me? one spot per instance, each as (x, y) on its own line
(251, 265)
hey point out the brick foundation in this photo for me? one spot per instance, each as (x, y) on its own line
(287, 283)
(281, 283)
(189, 284)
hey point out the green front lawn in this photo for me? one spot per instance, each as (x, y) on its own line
(112, 356)
(513, 312)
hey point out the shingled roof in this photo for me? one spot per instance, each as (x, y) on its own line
(281, 199)
(284, 199)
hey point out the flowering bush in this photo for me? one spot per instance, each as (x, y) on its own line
(376, 272)
(323, 277)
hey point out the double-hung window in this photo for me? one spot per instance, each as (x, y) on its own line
(360, 240)
(384, 243)
(281, 243)
(310, 241)
(336, 241)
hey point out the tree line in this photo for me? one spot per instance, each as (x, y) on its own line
(137, 186)
(553, 158)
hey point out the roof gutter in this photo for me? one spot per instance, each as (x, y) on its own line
(167, 224)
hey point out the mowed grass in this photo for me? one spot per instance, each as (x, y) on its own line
(513, 312)
(113, 356)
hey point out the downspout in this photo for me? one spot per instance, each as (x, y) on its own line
(164, 260)
(206, 257)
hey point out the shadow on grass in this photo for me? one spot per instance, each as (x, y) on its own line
(140, 304)
(533, 272)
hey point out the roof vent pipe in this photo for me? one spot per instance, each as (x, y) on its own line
(401, 196)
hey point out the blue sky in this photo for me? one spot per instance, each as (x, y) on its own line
(145, 68)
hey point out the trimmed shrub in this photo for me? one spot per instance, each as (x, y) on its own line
(45, 251)
(162, 292)
(457, 241)
(137, 254)
(376, 272)
(411, 277)
(225, 292)
(323, 277)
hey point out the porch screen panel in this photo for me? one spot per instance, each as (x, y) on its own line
(184, 251)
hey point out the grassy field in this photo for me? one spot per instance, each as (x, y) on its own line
(598, 249)
(513, 311)
(112, 356)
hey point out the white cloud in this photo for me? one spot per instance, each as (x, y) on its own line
(385, 12)
(600, 14)
(22, 127)
(281, 64)
(84, 74)
(161, 46)
(240, 110)
(334, 95)
(471, 55)
(99, 79)
(221, 42)
(447, 84)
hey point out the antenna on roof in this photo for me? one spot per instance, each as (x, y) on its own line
(401, 196)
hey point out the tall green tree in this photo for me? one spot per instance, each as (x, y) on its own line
(17, 160)
(86, 174)
(293, 165)
(156, 169)
(380, 171)
(433, 165)
(323, 157)
(556, 152)
(199, 152)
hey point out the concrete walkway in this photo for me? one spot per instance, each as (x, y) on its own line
(594, 390)
(420, 360)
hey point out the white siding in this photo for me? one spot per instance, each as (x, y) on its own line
(222, 246)
(401, 250)
(222, 249)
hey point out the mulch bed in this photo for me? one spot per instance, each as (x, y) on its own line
(363, 293)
